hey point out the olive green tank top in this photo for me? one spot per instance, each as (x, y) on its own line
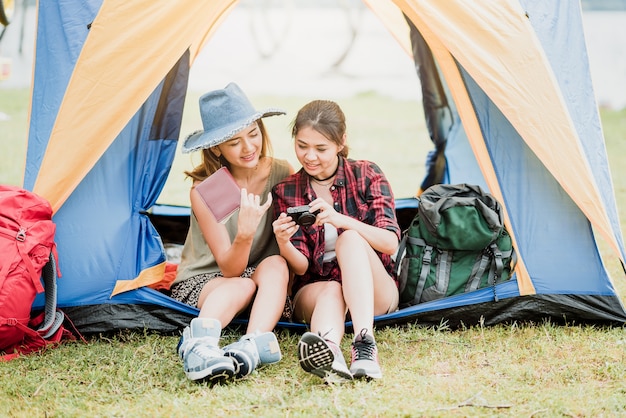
(197, 257)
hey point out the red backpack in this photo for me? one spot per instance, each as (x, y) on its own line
(27, 254)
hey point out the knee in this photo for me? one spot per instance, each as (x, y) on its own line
(276, 263)
(246, 287)
(332, 292)
(349, 241)
(272, 270)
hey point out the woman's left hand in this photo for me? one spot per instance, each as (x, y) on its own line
(250, 212)
(326, 214)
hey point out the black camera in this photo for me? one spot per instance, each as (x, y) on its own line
(302, 215)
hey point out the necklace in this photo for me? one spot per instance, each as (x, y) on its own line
(321, 181)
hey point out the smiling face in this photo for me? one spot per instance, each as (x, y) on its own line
(319, 132)
(244, 149)
(316, 153)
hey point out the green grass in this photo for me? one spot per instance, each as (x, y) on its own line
(13, 135)
(537, 370)
(529, 370)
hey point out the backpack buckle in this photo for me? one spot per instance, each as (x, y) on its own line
(21, 235)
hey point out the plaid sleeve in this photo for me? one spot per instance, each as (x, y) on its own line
(380, 199)
(279, 204)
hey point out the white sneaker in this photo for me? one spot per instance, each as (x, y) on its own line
(252, 350)
(203, 360)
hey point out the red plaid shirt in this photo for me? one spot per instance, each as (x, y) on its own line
(360, 190)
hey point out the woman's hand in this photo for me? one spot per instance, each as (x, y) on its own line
(382, 240)
(326, 214)
(284, 227)
(250, 213)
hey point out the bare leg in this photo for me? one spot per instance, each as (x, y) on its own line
(271, 278)
(321, 305)
(223, 298)
(367, 287)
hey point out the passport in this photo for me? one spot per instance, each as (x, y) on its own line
(221, 194)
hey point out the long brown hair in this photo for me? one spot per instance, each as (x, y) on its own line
(211, 162)
(327, 118)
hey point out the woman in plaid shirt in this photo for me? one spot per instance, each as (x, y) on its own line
(342, 261)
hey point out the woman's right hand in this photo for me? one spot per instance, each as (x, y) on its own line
(284, 227)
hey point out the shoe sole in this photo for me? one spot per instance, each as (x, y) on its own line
(244, 365)
(217, 373)
(316, 357)
(364, 374)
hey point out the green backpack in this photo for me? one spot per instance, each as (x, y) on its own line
(456, 243)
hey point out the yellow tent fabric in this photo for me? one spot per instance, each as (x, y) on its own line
(160, 32)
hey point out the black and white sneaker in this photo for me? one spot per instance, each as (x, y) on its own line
(365, 357)
(322, 358)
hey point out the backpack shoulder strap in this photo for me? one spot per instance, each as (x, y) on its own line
(480, 266)
(51, 319)
(421, 282)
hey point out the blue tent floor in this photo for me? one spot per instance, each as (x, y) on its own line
(557, 309)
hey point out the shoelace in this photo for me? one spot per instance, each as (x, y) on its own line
(363, 349)
(202, 347)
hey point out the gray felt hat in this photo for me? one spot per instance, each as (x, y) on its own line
(224, 113)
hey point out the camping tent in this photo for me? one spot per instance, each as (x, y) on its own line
(513, 88)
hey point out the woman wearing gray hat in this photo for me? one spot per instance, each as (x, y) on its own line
(234, 265)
